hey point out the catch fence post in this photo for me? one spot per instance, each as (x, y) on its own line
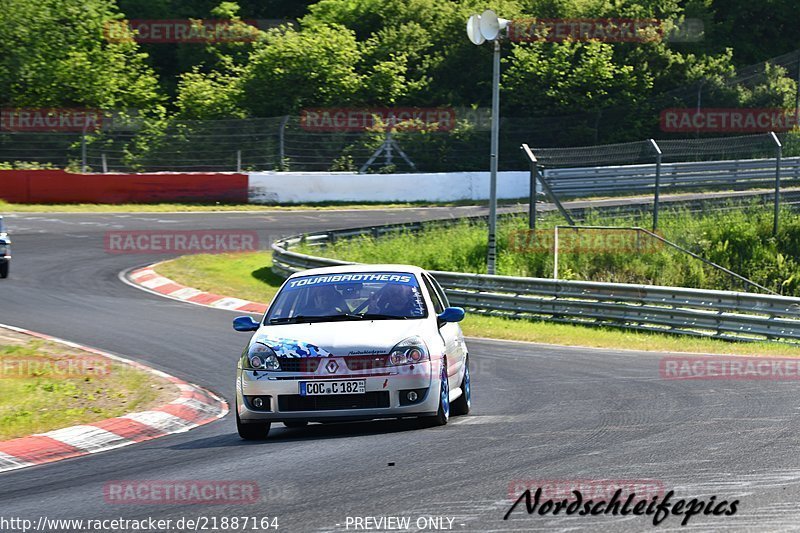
(657, 191)
(83, 148)
(282, 142)
(777, 203)
(534, 168)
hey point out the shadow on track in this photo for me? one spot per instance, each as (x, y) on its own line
(281, 434)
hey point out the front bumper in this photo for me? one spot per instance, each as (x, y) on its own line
(386, 395)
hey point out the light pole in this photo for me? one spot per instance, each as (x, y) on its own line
(481, 28)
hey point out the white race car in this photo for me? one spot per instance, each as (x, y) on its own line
(354, 342)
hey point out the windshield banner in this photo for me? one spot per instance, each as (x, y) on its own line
(359, 277)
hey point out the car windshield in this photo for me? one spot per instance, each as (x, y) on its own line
(348, 296)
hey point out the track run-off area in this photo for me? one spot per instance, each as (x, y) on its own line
(540, 413)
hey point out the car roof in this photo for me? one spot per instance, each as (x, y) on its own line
(339, 269)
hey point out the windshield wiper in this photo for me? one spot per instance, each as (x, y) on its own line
(315, 318)
(378, 316)
(349, 316)
(293, 319)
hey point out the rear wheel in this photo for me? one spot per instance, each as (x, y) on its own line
(252, 431)
(462, 404)
(295, 423)
(4, 268)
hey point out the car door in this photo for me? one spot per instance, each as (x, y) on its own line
(455, 349)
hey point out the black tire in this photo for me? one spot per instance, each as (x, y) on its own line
(462, 404)
(252, 431)
(443, 413)
(4, 268)
(295, 423)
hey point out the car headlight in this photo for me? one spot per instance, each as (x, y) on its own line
(261, 357)
(409, 351)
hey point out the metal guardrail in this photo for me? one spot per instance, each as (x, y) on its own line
(734, 174)
(721, 314)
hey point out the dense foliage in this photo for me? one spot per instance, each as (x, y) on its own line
(399, 53)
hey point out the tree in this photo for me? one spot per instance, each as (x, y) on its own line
(563, 78)
(55, 53)
(296, 69)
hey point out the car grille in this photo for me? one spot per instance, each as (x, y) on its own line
(299, 364)
(370, 400)
(366, 362)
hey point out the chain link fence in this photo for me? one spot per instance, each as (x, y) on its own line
(283, 143)
(731, 172)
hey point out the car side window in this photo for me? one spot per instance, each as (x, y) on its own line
(440, 292)
(438, 306)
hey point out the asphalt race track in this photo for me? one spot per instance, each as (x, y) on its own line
(539, 412)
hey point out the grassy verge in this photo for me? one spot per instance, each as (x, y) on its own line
(6, 207)
(248, 276)
(245, 275)
(740, 240)
(46, 386)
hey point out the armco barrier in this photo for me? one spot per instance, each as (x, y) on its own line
(58, 186)
(640, 179)
(722, 314)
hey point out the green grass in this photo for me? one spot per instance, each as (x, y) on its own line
(6, 207)
(36, 397)
(248, 276)
(245, 275)
(738, 239)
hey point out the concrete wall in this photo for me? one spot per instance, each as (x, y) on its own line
(58, 186)
(295, 187)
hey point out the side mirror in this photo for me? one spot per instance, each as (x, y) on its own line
(452, 314)
(245, 323)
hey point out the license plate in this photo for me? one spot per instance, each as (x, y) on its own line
(325, 388)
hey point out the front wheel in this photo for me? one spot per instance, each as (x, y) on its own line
(253, 431)
(443, 413)
(4, 268)
(462, 404)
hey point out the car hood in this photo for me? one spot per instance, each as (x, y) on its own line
(326, 339)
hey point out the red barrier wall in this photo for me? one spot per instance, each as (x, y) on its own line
(58, 186)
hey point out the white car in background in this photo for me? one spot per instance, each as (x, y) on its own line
(354, 342)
